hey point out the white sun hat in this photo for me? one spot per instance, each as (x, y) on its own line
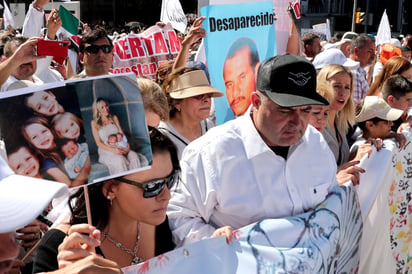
(23, 198)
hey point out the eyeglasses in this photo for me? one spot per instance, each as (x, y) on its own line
(153, 188)
(94, 49)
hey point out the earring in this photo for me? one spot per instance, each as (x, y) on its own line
(110, 199)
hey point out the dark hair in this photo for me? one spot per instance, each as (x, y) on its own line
(308, 38)
(99, 203)
(360, 42)
(93, 36)
(240, 44)
(396, 86)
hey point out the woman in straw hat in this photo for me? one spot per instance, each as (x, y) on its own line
(189, 94)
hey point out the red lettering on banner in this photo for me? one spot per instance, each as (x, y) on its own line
(159, 43)
(148, 43)
(174, 42)
(136, 47)
(120, 49)
(138, 69)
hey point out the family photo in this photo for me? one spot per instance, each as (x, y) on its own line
(49, 135)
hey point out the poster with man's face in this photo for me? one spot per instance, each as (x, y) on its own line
(244, 34)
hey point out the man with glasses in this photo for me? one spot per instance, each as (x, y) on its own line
(96, 53)
(362, 54)
(267, 163)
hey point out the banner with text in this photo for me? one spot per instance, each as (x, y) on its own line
(143, 53)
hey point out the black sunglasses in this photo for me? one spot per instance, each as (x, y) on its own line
(153, 188)
(94, 49)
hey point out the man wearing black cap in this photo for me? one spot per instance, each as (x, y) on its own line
(267, 163)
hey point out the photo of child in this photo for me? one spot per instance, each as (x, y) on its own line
(117, 140)
(52, 131)
(75, 156)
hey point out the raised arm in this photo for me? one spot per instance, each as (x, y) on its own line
(33, 22)
(195, 33)
(25, 53)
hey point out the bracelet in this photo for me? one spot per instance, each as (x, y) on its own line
(37, 7)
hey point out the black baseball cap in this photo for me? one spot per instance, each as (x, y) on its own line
(289, 81)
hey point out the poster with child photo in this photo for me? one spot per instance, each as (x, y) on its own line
(80, 131)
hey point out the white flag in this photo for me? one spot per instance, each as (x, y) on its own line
(8, 19)
(384, 30)
(172, 12)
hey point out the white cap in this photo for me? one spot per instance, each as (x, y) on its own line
(376, 107)
(396, 42)
(23, 198)
(328, 57)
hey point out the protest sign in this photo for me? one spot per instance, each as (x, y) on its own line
(247, 30)
(172, 12)
(143, 53)
(324, 240)
(85, 130)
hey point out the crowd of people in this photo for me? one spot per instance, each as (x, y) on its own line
(336, 101)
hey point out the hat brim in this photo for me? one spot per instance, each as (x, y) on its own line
(392, 114)
(23, 198)
(194, 91)
(289, 100)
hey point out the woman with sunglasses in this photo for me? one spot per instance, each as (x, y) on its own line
(129, 213)
(189, 94)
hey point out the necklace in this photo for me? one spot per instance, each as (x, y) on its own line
(133, 253)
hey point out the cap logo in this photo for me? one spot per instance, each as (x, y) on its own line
(300, 79)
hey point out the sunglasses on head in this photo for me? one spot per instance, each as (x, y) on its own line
(94, 49)
(154, 187)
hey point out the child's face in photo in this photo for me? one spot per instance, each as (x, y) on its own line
(44, 103)
(67, 128)
(112, 139)
(119, 137)
(23, 162)
(40, 136)
(70, 149)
